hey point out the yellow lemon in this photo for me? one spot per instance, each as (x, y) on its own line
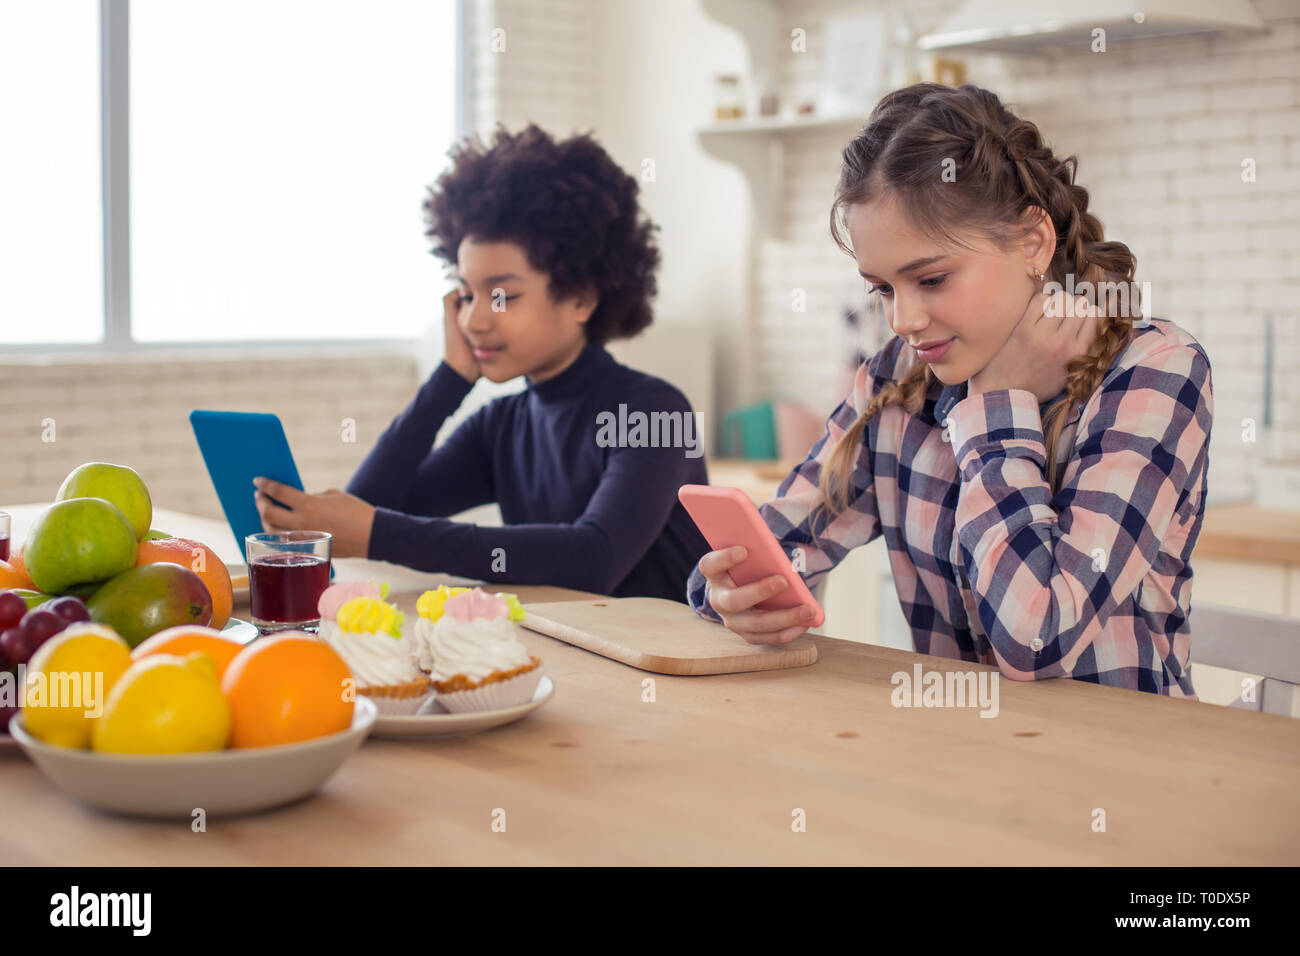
(68, 680)
(165, 704)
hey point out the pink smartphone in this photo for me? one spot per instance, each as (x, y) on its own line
(727, 517)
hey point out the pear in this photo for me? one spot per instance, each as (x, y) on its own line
(119, 484)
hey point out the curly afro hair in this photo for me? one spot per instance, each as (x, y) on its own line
(570, 208)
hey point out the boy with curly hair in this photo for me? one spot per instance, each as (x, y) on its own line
(553, 259)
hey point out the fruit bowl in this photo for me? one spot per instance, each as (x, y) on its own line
(220, 782)
(239, 630)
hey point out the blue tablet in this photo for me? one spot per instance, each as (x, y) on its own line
(237, 447)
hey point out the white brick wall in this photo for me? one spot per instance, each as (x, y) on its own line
(1160, 129)
(546, 72)
(136, 413)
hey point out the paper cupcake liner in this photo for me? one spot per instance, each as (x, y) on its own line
(396, 700)
(496, 691)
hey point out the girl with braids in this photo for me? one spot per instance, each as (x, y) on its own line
(1040, 477)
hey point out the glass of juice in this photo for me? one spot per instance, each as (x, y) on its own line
(4, 536)
(287, 572)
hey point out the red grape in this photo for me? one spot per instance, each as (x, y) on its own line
(13, 642)
(41, 624)
(70, 608)
(12, 609)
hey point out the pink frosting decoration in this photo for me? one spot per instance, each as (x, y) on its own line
(476, 605)
(336, 595)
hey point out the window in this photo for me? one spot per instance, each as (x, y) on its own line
(278, 158)
(279, 154)
(51, 212)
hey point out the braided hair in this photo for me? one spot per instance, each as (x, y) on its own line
(1002, 169)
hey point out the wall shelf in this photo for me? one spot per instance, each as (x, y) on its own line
(783, 124)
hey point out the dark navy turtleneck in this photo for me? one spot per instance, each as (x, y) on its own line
(578, 513)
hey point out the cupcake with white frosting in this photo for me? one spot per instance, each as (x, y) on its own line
(366, 631)
(467, 642)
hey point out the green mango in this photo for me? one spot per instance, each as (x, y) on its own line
(142, 601)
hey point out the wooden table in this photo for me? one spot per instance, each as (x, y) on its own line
(1247, 532)
(715, 770)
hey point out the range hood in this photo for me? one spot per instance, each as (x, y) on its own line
(1024, 26)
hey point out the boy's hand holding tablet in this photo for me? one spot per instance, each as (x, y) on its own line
(346, 517)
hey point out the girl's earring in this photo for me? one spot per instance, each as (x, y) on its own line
(1039, 277)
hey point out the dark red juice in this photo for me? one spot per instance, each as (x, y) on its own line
(286, 587)
(4, 548)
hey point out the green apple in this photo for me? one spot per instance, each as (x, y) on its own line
(155, 535)
(77, 541)
(118, 484)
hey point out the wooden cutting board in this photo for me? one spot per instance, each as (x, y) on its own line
(654, 634)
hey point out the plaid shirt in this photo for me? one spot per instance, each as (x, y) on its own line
(1092, 582)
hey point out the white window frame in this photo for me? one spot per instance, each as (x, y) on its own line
(114, 18)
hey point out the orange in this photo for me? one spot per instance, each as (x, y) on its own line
(188, 638)
(14, 577)
(214, 574)
(287, 688)
(20, 566)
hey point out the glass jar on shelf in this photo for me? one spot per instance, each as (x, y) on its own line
(728, 100)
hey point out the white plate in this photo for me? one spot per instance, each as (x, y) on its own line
(432, 720)
(175, 785)
(241, 631)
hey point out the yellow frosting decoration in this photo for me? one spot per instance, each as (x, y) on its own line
(362, 615)
(431, 603)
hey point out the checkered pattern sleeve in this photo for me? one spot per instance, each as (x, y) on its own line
(1057, 579)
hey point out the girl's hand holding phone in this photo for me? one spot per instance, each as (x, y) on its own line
(457, 352)
(736, 604)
